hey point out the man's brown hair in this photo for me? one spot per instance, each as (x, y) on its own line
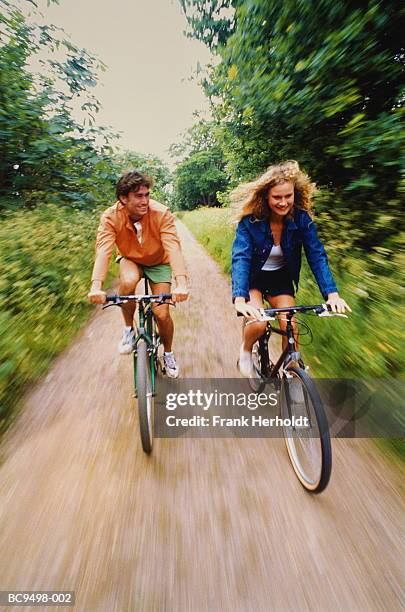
(131, 181)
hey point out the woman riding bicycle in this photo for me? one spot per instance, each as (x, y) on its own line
(274, 224)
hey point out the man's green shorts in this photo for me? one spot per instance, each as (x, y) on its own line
(162, 273)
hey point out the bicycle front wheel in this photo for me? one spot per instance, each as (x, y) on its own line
(145, 395)
(306, 430)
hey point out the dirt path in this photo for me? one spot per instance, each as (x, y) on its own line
(214, 524)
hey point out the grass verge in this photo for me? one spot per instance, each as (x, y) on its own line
(46, 257)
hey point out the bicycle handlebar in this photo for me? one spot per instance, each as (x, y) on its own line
(138, 298)
(322, 310)
(117, 300)
(317, 308)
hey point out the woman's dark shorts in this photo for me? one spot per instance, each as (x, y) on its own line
(274, 283)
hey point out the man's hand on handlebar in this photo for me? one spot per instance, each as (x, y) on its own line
(180, 292)
(247, 309)
(96, 295)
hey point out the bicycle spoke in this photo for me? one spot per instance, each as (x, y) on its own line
(307, 438)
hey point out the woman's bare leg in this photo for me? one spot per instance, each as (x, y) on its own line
(253, 331)
(283, 301)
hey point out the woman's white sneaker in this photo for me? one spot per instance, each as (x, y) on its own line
(245, 363)
(126, 344)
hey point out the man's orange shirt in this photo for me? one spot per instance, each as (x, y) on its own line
(160, 242)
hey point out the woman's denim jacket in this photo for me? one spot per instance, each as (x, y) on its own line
(254, 241)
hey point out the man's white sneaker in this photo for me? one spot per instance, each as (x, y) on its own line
(126, 344)
(170, 365)
(245, 364)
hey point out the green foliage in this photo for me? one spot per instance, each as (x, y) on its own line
(198, 179)
(317, 82)
(46, 155)
(211, 22)
(202, 136)
(214, 230)
(54, 172)
(199, 176)
(320, 82)
(151, 166)
(45, 257)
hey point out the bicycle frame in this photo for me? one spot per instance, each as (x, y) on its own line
(289, 353)
(145, 330)
(145, 352)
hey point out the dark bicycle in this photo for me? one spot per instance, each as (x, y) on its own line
(146, 357)
(308, 444)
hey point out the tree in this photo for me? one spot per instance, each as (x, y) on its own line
(150, 165)
(202, 136)
(200, 172)
(212, 21)
(318, 82)
(45, 155)
(198, 179)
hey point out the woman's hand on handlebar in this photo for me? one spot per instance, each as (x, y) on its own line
(246, 309)
(337, 304)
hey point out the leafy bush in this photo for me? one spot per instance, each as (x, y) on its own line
(46, 257)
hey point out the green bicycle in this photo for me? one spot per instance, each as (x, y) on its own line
(146, 357)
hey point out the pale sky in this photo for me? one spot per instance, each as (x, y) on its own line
(145, 92)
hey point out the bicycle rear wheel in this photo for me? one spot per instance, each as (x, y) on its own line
(144, 390)
(307, 438)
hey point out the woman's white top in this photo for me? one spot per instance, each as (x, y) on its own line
(275, 260)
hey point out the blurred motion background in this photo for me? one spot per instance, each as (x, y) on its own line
(213, 524)
(320, 82)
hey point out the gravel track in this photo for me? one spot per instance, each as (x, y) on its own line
(202, 524)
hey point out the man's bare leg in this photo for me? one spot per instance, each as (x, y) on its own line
(163, 317)
(130, 275)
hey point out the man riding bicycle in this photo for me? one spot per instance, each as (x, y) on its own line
(144, 233)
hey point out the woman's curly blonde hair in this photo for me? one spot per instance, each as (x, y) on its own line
(251, 198)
